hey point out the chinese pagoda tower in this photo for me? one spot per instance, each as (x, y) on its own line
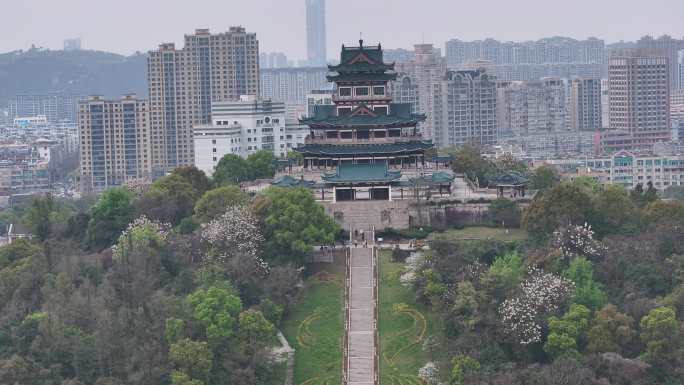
(363, 140)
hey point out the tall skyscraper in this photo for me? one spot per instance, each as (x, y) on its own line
(424, 70)
(668, 47)
(639, 98)
(315, 33)
(585, 104)
(184, 83)
(465, 109)
(115, 142)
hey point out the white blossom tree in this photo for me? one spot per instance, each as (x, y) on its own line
(577, 240)
(236, 232)
(542, 293)
(429, 373)
(141, 233)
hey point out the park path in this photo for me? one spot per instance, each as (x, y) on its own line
(360, 366)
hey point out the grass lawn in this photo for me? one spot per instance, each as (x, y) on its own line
(402, 332)
(486, 233)
(314, 327)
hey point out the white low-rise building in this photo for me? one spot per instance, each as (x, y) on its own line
(244, 127)
(627, 169)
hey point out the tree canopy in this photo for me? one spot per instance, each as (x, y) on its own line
(294, 222)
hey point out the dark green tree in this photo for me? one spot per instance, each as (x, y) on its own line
(231, 169)
(110, 215)
(38, 218)
(469, 161)
(544, 177)
(215, 202)
(169, 199)
(615, 212)
(294, 222)
(260, 165)
(611, 331)
(567, 203)
(196, 177)
(217, 308)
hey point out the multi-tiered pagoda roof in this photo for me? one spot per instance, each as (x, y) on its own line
(361, 64)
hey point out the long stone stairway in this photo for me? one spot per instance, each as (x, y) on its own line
(360, 350)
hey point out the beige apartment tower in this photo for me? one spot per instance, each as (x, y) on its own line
(115, 142)
(184, 82)
(639, 97)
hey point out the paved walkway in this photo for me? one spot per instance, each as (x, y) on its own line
(360, 326)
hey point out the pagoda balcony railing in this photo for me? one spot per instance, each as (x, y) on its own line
(386, 140)
(367, 98)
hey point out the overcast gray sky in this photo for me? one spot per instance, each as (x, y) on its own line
(126, 26)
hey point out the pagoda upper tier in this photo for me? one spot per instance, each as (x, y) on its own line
(361, 64)
(398, 115)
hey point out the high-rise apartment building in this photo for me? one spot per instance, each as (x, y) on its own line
(639, 100)
(292, 84)
(585, 104)
(465, 109)
(316, 47)
(115, 142)
(669, 48)
(680, 65)
(425, 70)
(183, 83)
(56, 107)
(605, 103)
(272, 60)
(532, 107)
(677, 114)
(531, 60)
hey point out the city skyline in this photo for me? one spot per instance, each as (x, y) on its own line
(53, 23)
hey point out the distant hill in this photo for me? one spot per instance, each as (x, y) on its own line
(39, 71)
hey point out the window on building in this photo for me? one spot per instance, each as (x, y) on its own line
(343, 110)
(380, 110)
(345, 91)
(379, 91)
(362, 91)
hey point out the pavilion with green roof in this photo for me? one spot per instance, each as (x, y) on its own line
(512, 182)
(363, 136)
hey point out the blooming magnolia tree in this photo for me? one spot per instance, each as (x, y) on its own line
(542, 293)
(233, 233)
(141, 233)
(429, 373)
(577, 240)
